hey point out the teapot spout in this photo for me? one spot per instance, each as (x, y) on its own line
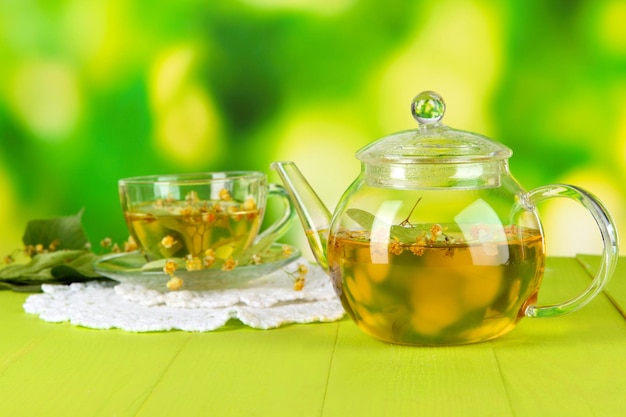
(313, 214)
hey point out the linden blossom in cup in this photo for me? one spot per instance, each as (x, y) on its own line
(210, 219)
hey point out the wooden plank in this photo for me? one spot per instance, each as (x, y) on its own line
(82, 374)
(563, 366)
(231, 372)
(16, 337)
(371, 378)
(570, 366)
(248, 373)
(49, 369)
(616, 288)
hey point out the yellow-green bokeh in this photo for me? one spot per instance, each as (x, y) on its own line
(93, 91)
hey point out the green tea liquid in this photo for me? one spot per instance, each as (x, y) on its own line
(191, 232)
(437, 293)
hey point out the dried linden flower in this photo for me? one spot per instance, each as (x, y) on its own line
(302, 269)
(249, 204)
(175, 284)
(298, 284)
(208, 217)
(53, 245)
(300, 279)
(217, 207)
(168, 241)
(193, 263)
(395, 246)
(287, 251)
(106, 242)
(225, 195)
(169, 267)
(229, 264)
(436, 230)
(209, 258)
(511, 229)
(130, 245)
(417, 249)
(256, 259)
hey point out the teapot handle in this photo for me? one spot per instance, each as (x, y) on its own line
(610, 250)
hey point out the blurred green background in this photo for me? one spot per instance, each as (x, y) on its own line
(93, 91)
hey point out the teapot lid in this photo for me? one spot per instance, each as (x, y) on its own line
(432, 141)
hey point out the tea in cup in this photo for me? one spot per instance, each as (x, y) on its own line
(210, 215)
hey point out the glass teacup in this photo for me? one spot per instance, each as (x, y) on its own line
(209, 215)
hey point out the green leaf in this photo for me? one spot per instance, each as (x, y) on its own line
(67, 232)
(362, 217)
(159, 264)
(77, 269)
(20, 287)
(401, 233)
(58, 267)
(70, 261)
(39, 268)
(406, 234)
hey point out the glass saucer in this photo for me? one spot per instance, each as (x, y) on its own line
(129, 268)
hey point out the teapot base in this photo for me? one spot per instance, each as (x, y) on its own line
(478, 336)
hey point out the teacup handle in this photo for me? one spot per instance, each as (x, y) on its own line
(265, 239)
(610, 251)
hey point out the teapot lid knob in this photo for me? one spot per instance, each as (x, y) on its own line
(428, 107)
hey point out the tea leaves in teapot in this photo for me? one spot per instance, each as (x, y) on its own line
(406, 233)
(403, 232)
(362, 217)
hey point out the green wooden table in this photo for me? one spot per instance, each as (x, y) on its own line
(569, 366)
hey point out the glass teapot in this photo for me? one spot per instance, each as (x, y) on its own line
(435, 243)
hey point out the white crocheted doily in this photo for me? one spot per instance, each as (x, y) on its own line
(264, 303)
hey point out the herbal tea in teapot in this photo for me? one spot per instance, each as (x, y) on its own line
(435, 242)
(437, 288)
